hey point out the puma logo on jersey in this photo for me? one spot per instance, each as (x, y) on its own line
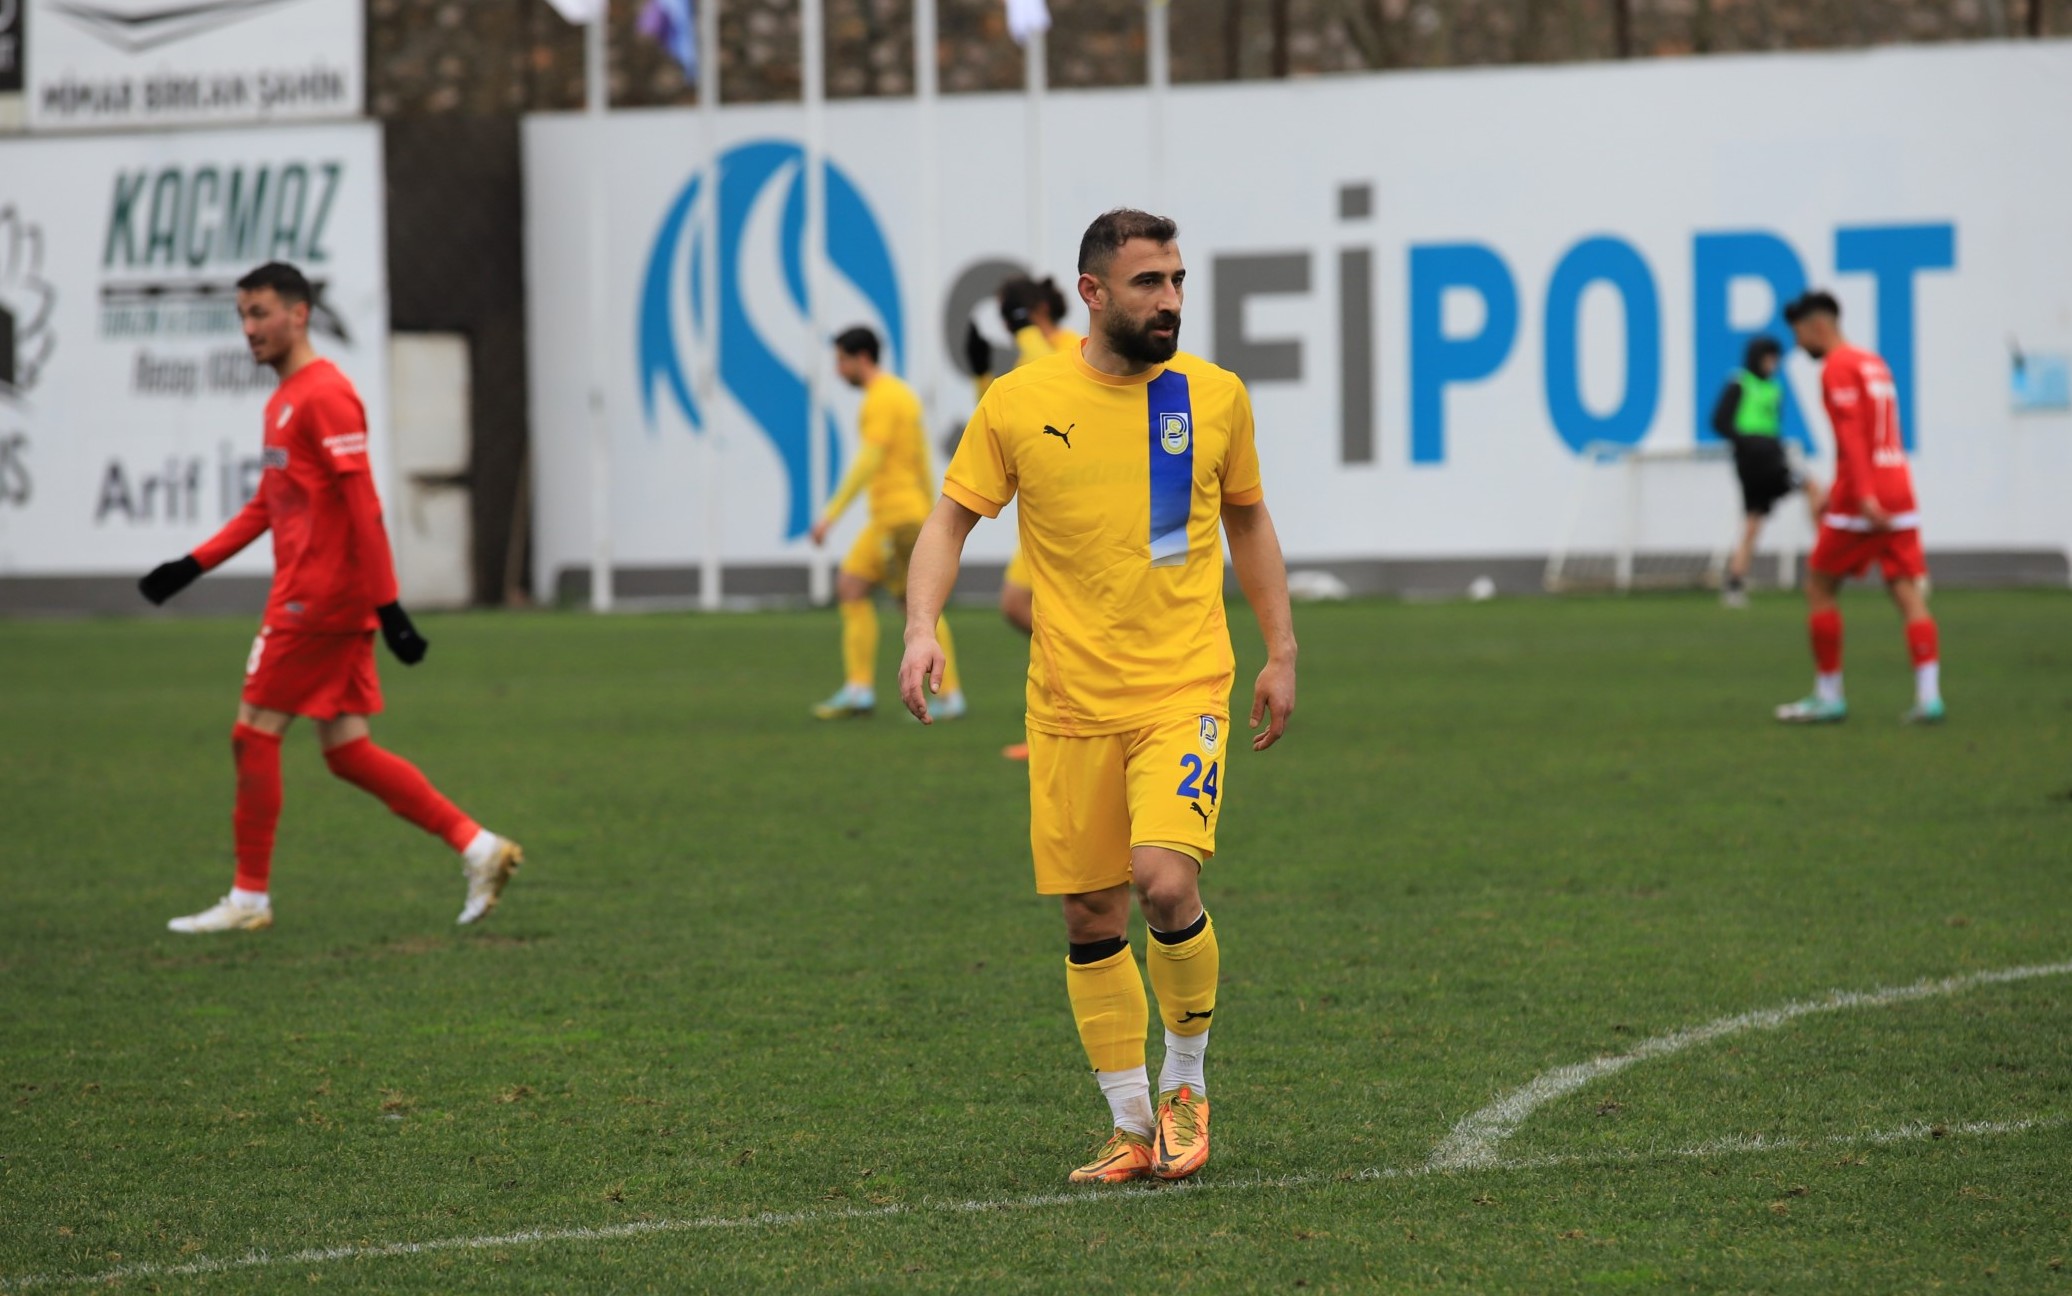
(1064, 436)
(1196, 807)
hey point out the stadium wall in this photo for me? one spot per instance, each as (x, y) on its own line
(1441, 287)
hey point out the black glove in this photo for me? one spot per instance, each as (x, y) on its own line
(978, 353)
(401, 636)
(168, 579)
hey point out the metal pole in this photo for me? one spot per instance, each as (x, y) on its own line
(1158, 77)
(1629, 538)
(1036, 77)
(924, 355)
(813, 68)
(597, 97)
(713, 459)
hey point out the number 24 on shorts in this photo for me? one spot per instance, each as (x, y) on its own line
(1199, 781)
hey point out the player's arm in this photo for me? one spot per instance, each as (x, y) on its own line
(1255, 551)
(1726, 410)
(169, 578)
(370, 544)
(1851, 416)
(870, 457)
(338, 426)
(978, 357)
(931, 575)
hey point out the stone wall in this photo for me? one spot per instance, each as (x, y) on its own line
(500, 56)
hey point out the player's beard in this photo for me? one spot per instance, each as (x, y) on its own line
(1133, 341)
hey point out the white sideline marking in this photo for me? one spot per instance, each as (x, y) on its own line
(1474, 1142)
(1105, 1197)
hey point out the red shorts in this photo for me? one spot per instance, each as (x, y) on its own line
(1850, 553)
(322, 676)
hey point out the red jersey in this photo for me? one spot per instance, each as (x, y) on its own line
(1870, 461)
(331, 561)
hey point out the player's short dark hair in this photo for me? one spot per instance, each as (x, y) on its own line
(284, 279)
(1817, 301)
(1111, 229)
(1760, 349)
(858, 340)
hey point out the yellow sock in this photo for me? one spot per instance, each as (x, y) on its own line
(860, 642)
(1183, 976)
(950, 682)
(1109, 1005)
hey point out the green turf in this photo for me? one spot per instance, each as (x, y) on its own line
(757, 964)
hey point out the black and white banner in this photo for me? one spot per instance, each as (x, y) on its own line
(122, 63)
(130, 407)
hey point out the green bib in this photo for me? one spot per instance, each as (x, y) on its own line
(1761, 411)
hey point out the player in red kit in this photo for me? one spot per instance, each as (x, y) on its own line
(334, 584)
(1870, 517)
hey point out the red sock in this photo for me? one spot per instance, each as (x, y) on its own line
(402, 788)
(258, 757)
(1826, 628)
(1921, 641)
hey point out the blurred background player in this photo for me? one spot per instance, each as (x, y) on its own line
(1130, 665)
(1031, 309)
(1870, 516)
(892, 464)
(1750, 416)
(333, 584)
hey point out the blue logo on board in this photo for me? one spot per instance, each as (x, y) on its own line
(763, 280)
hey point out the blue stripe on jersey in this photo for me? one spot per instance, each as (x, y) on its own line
(1172, 467)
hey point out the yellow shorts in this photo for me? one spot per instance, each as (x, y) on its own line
(881, 555)
(1017, 570)
(1092, 799)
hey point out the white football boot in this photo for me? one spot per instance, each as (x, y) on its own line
(486, 881)
(225, 915)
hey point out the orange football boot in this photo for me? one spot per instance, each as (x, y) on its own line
(1124, 1157)
(1183, 1133)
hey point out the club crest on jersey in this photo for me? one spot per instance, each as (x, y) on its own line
(274, 457)
(1211, 735)
(1173, 432)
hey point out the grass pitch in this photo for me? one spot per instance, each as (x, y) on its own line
(772, 1005)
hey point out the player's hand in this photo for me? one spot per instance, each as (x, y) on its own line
(1273, 697)
(819, 534)
(920, 673)
(978, 353)
(1876, 514)
(169, 578)
(401, 636)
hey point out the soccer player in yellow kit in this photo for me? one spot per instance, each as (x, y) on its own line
(892, 464)
(1126, 456)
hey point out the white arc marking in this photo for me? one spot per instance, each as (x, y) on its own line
(1472, 1145)
(1475, 1141)
(373, 1251)
(1105, 1198)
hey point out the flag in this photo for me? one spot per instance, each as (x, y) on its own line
(579, 12)
(1026, 18)
(671, 24)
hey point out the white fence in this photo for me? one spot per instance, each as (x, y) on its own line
(1441, 287)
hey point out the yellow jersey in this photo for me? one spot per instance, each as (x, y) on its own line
(903, 488)
(1030, 345)
(1122, 483)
